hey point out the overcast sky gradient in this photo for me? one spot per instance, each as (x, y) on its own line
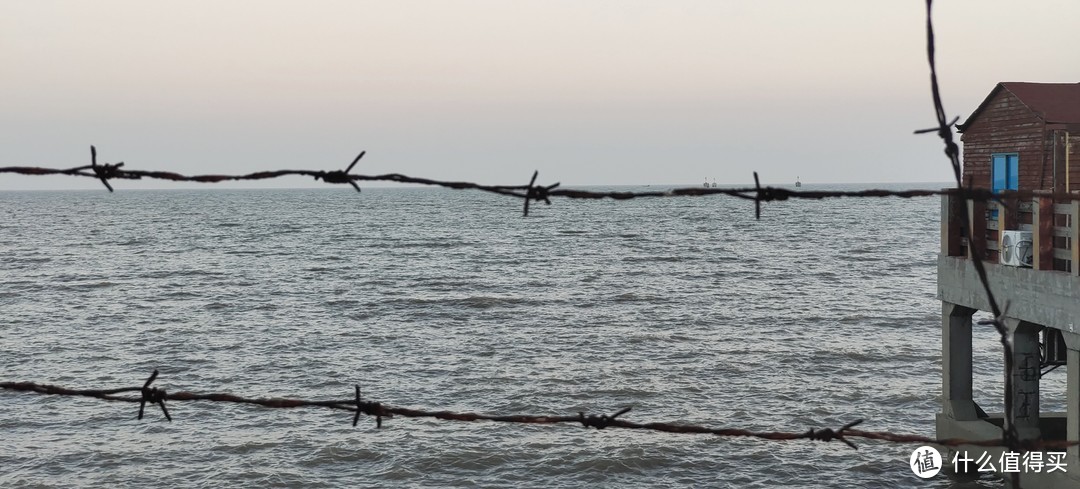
(586, 91)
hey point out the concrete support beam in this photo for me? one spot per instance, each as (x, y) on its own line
(956, 362)
(1025, 377)
(1037, 296)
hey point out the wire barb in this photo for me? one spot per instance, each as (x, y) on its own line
(368, 408)
(602, 421)
(153, 395)
(104, 171)
(828, 434)
(341, 176)
(937, 129)
(757, 197)
(530, 193)
(359, 407)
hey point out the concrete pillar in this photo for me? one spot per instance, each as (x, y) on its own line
(1025, 377)
(956, 362)
(1072, 395)
(1072, 399)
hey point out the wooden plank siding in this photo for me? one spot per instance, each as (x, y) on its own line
(1042, 243)
(1006, 125)
(1055, 229)
(1074, 159)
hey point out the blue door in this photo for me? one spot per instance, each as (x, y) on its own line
(1003, 172)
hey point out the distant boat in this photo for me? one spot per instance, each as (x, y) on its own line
(706, 182)
(714, 183)
(797, 182)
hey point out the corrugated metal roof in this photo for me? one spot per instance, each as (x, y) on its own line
(1055, 103)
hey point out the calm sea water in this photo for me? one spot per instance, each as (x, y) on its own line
(686, 309)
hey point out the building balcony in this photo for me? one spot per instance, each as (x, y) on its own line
(1041, 311)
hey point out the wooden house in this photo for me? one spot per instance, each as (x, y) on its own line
(1024, 136)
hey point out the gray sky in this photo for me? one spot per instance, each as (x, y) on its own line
(586, 91)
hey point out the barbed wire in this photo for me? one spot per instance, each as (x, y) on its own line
(157, 396)
(1010, 436)
(532, 192)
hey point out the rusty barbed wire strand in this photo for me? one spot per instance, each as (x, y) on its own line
(1010, 437)
(844, 434)
(531, 192)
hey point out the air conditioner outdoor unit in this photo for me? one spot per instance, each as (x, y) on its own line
(1015, 248)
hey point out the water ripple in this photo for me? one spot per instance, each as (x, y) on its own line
(444, 299)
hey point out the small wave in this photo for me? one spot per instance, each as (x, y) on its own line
(633, 297)
(488, 302)
(855, 319)
(473, 302)
(245, 448)
(181, 294)
(164, 274)
(431, 244)
(174, 251)
(335, 454)
(654, 259)
(33, 259)
(321, 269)
(444, 284)
(651, 338)
(859, 258)
(90, 285)
(865, 357)
(135, 241)
(865, 251)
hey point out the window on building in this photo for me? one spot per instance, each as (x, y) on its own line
(1003, 171)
